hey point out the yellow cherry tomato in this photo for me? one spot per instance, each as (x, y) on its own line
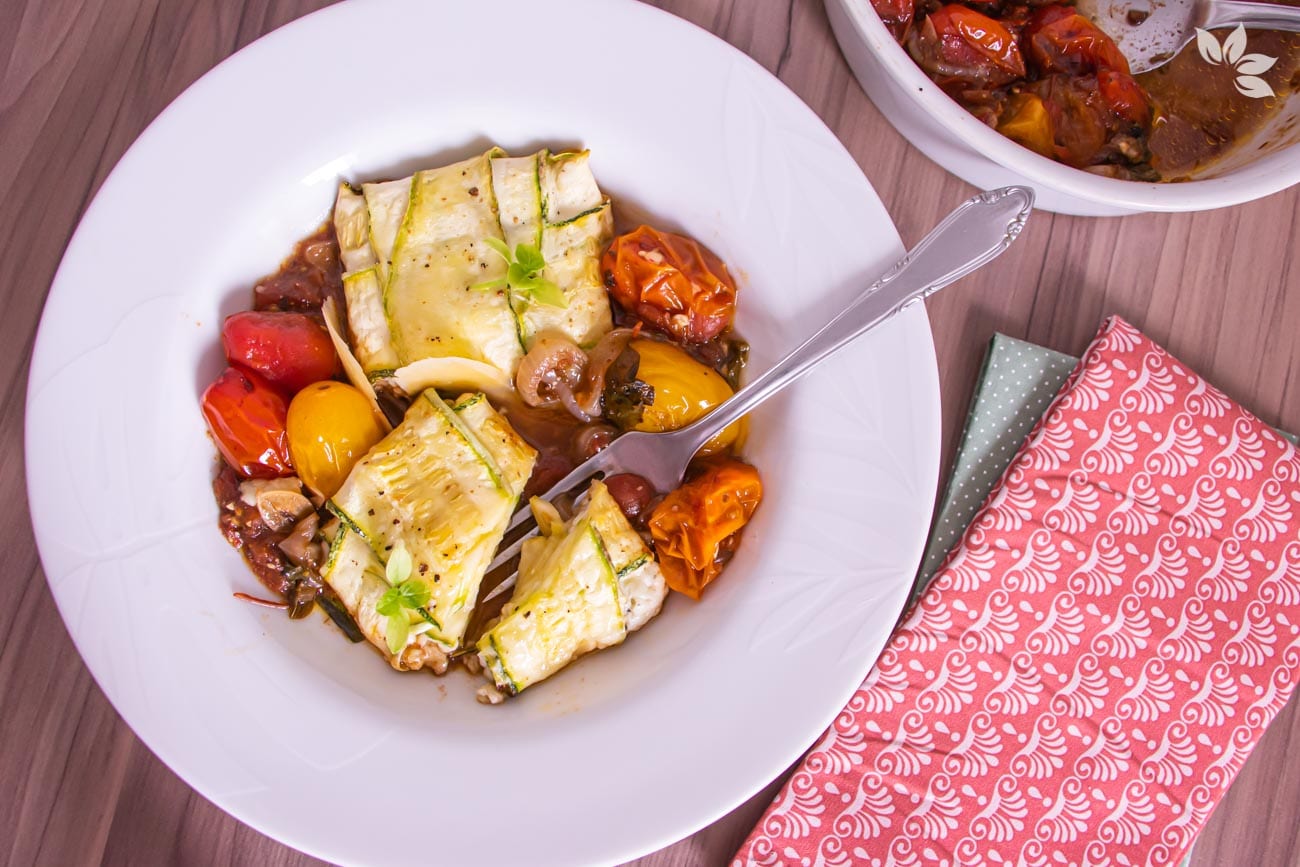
(330, 426)
(685, 390)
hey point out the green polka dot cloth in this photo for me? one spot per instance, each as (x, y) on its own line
(1017, 383)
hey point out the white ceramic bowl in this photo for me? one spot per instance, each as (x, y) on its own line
(947, 134)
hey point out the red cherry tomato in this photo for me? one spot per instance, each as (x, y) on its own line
(1125, 97)
(896, 15)
(958, 45)
(290, 350)
(1059, 39)
(246, 416)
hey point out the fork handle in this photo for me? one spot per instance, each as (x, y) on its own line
(971, 236)
(1253, 16)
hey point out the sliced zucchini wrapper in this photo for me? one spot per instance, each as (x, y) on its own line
(356, 573)
(443, 484)
(552, 202)
(440, 257)
(415, 249)
(582, 586)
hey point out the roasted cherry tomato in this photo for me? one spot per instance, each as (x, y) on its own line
(1059, 39)
(959, 46)
(246, 416)
(331, 425)
(1025, 120)
(1096, 118)
(671, 282)
(1125, 97)
(896, 15)
(684, 390)
(291, 350)
(696, 528)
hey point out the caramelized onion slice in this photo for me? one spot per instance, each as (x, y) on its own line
(553, 366)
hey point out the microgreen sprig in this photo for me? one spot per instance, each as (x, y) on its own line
(404, 594)
(523, 277)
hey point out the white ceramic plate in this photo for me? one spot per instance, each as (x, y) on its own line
(316, 742)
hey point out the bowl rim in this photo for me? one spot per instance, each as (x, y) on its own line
(1230, 189)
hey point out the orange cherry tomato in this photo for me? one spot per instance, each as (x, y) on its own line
(671, 282)
(331, 426)
(246, 416)
(696, 528)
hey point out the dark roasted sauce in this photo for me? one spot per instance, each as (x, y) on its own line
(242, 526)
(1201, 116)
(305, 279)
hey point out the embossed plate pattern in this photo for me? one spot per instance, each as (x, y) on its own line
(628, 750)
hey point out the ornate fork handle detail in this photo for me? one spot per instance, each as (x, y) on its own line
(972, 235)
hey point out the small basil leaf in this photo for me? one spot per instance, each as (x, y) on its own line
(546, 292)
(396, 631)
(390, 603)
(399, 564)
(529, 258)
(415, 593)
(499, 246)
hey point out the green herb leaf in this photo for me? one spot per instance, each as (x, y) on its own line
(529, 258)
(399, 564)
(517, 277)
(498, 283)
(410, 594)
(396, 631)
(545, 292)
(524, 269)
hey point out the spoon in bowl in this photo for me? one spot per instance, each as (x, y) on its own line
(1151, 32)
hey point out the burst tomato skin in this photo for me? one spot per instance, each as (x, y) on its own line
(962, 48)
(246, 416)
(697, 527)
(1059, 39)
(671, 282)
(289, 350)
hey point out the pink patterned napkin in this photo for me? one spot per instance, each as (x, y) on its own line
(1096, 658)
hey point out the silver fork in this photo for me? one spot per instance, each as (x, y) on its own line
(971, 236)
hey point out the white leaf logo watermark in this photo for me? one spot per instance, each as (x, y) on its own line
(1232, 53)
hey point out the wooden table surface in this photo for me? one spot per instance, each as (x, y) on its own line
(81, 78)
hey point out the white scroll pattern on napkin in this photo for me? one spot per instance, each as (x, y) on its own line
(1094, 662)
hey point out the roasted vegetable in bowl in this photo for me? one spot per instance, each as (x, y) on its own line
(493, 332)
(1046, 77)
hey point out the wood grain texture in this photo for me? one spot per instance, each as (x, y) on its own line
(81, 78)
